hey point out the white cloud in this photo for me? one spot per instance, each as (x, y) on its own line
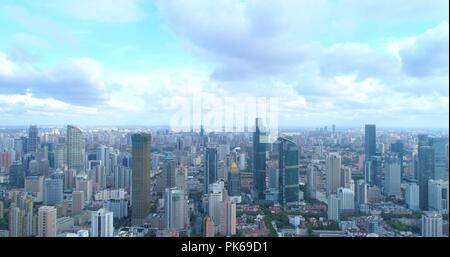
(108, 11)
(6, 66)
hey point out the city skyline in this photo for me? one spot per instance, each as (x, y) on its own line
(61, 62)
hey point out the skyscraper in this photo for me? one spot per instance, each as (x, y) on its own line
(426, 170)
(228, 223)
(333, 170)
(16, 175)
(74, 148)
(210, 167)
(176, 208)
(234, 181)
(370, 140)
(432, 224)
(438, 196)
(361, 193)
(260, 140)
(33, 139)
(412, 196)
(102, 223)
(333, 207)
(288, 172)
(169, 170)
(346, 200)
(53, 191)
(47, 221)
(141, 163)
(77, 202)
(439, 145)
(397, 148)
(392, 177)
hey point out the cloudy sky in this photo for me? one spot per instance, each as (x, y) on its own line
(122, 62)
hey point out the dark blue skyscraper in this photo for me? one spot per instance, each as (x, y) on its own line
(370, 141)
(33, 139)
(210, 167)
(288, 172)
(259, 159)
(426, 170)
(397, 148)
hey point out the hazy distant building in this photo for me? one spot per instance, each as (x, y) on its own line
(77, 202)
(412, 196)
(346, 200)
(392, 177)
(175, 208)
(74, 148)
(210, 228)
(47, 221)
(333, 207)
(370, 140)
(333, 171)
(33, 139)
(140, 193)
(53, 191)
(34, 185)
(234, 181)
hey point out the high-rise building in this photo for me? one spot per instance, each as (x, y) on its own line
(439, 145)
(346, 200)
(60, 152)
(53, 191)
(2, 210)
(312, 180)
(234, 181)
(288, 172)
(16, 175)
(83, 183)
(77, 202)
(140, 186)
(228, 222)
(392, 177)
(170, 170)
(426, 170)
(74, 148)
(361, 191)
(119, 208)
(438, 196)
(397, 148)
(210, 167)
(47, 221)
(370, 140)
(333, 207)
(432, 224)
(34, 185)
(33, 139)
(102, 223)
(260, 141)
(412, 196)
(210, 228)
(333, 170)
(372, 170)
(176, 208)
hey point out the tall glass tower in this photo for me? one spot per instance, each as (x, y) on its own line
(370, 143)
(140, 176)
(74, 148)
(288, 172)
(259, 159)
(210, 167)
